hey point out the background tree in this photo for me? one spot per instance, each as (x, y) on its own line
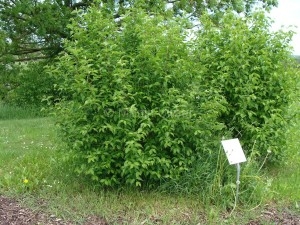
(35, 29)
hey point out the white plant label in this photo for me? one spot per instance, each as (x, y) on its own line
(234, 151)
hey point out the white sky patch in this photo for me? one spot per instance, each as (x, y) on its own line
(288, 14)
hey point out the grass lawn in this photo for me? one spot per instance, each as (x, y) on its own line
(34, 171)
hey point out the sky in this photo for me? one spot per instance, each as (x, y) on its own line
(288, 14)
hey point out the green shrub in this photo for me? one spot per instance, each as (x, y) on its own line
(255, 71)
(8, 79)
(139, 110)
(30, 85)
(143, 100)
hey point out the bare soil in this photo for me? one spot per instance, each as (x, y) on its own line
(274, 216)
(11, 213)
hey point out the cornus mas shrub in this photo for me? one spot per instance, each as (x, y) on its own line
(144, 100)
(134, 111)
(256, 74)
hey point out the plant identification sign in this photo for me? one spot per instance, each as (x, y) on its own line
(234, 151)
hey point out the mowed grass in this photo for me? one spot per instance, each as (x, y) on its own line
(27, 148)
(34, 170)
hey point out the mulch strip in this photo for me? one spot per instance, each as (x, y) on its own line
(12, 213)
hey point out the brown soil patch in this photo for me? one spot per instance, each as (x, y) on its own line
(11, 213)
(273, 216)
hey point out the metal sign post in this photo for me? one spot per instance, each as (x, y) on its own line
(235, 156)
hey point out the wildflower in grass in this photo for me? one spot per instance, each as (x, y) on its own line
(25, 181)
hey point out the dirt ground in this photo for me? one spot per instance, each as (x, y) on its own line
(11, 213)
(272, 216)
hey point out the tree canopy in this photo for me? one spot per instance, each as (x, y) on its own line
(35, 29)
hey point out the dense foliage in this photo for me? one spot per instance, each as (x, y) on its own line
(7, 80)
(147, 99)
(254, 70)
(36, 29)
(134, 111)
(28, 84)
